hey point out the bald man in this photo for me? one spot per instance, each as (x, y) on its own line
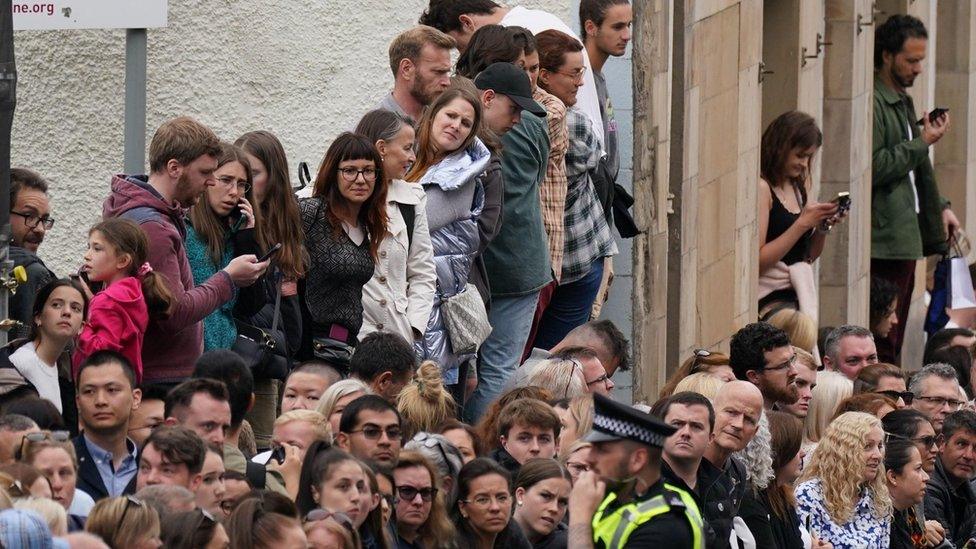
(721, 478)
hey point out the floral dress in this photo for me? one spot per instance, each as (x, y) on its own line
(864, 530)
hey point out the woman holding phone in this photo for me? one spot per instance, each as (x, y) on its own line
(792, 227)
(221, 226)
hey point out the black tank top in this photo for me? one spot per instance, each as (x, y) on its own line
(781, 219)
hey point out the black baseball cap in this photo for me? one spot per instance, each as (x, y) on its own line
(511, 81)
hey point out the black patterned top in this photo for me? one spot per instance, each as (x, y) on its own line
(337, 271)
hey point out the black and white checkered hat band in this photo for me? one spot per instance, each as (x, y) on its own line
(626, 429)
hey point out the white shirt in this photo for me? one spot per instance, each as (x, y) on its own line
(43, 376)
(537, 21)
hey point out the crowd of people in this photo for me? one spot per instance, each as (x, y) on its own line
(408, 354)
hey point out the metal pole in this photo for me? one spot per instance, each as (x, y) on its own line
(135, 101)
(8, 102)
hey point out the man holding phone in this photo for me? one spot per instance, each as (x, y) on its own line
(909, 217)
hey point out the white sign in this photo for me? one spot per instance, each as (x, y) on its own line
(88, 14)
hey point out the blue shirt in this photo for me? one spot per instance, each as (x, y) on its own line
(114, 481)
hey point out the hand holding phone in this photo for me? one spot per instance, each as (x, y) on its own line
(934, 115)
(274, 249)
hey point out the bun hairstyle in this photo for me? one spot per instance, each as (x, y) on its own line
(128, 238)
(424, 403)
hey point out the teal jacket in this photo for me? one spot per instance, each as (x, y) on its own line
(897, 232)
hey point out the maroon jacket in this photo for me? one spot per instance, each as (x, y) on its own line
(171, 346)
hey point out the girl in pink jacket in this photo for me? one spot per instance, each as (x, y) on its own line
(119, 314)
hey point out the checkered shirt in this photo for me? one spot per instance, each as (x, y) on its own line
(587, 233)
(552, 192)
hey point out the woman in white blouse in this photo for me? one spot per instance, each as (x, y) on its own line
(400, 295)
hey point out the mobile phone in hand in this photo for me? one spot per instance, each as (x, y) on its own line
(274, 249)
(934, 115)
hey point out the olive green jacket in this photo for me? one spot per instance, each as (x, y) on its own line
(897, 232)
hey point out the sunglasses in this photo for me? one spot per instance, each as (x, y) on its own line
(316, 515)
(926, 441)
(907, 396)
(408, 493)
(41, 436)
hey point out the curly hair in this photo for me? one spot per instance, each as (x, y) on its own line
(757, 456)
(748, 347)
(838, 462)
(891, 35)
(883, 296)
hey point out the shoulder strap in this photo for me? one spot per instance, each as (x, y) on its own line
(409, 213)
(256, 474)
(141, 214)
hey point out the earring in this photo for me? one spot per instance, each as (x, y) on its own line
(382, 158)
(519, 503)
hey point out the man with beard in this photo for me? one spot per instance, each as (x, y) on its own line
(106, 398)
(182, 160)
(30, 219)
(420, 59)
(623, 501)
(761, 354)
(909, 218)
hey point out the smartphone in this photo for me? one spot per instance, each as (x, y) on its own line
(239, 218)
(934, 115)
(274, 249)
(82, 274)
(278, 454)
(843, 201)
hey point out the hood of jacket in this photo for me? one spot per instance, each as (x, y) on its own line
(459, 167)
(133, 191)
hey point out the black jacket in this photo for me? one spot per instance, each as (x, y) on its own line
(721, 492)
(89, 479)
(503, 458)
(954, 508)
(21, 304)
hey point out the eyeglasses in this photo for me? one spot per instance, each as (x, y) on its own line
(41, 436)
(484, 500)
(31, 220)
(229, 182)
(576, 75)
(783, 366)
(907, 396)
(350, 174)
(372, 432)
(602, 379)
(699, 355)
(926, 441)
(129, 502)
(577, 467)
(315, 515)
(940, 402)
(408, 493)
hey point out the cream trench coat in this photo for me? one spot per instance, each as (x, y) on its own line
(400, 295)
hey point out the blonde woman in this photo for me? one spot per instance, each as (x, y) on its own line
(424, 403)
(125, 522)
(335, 399)
(576, 417)
(831, 389)
(799, 326)
(842, 495)
(299, 428)
(702, 383)
(575, 458)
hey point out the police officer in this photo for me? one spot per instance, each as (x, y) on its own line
(622, 500)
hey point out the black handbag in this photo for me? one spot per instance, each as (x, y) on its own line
(333, 352)
(259, 348)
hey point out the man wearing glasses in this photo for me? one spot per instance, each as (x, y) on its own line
(30, 219)
(370, 430)
(937, 394)
(761, 354)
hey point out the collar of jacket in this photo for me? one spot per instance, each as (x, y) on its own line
(889, 95)
(459, 167)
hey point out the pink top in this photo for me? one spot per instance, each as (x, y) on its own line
(117, 321)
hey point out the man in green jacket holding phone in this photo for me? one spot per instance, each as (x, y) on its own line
(909, 218)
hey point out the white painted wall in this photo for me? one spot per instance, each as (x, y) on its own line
(305, 70)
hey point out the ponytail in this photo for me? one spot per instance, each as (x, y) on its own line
(159, 300)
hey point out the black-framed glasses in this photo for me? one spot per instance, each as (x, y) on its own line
(602, 379)
(699, 355)
(316, 515)
(351, 174)
(408, 493)
(230, 182)
(907, 396)
(372, 432)
(129, 502)
(31, 220)
(927, 441)
(953, 404)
